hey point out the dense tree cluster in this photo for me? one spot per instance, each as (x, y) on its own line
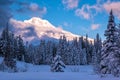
(80, 51)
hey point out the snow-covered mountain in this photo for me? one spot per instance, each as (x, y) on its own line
(36, 28)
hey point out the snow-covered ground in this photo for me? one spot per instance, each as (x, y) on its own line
(42, 72)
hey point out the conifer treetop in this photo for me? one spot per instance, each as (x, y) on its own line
(111, 17)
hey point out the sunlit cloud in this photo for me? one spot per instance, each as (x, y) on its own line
(95, 26)
(115, 6)
(26, 30)
(82, 13)
(70, 4)
(88, 11)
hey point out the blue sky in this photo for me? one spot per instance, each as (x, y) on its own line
(77, 16)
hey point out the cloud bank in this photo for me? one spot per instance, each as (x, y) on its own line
(89, 11)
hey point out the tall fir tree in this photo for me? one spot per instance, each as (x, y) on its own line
(88, 50)
(42, 51)
(62, 48)
(110, 53)
(8, 49)
(49, 54)
(21, 49)
(1, 46)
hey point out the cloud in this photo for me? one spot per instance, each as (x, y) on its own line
(82, 13)
(33, 9)
(65, 24)
(30, 9)
(87, 11)
(70, 4)
(115, 6)
(95, 26)
(5, 12)
(25, 29)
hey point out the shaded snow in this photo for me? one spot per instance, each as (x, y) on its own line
(42, 72)
(52, 76)
(1, 59)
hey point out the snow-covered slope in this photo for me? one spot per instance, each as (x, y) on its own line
(37, 28)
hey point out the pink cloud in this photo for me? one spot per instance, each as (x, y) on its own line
(95, 26)
(115, 6)
(82, 13)
(70, 4)
(34, 6)
(86, 11)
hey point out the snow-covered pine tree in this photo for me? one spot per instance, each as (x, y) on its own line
(110, 53)
(62, 48)
(9, 63)
(42, 50)
(40, 53)
(69, 54)
(38, 57)
(54, 49)
(84, 54)
(57, 64)
(21, 49)
(97, 53)
(49, 52)
(118, 33)
(75, 52)
(80, 50)
(1, 46)
(88, 53)
(15, 47)
(30, 54)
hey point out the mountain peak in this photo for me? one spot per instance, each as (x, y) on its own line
(39, 21)
(36, 28)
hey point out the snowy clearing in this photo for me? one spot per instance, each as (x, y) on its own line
(42, 72)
